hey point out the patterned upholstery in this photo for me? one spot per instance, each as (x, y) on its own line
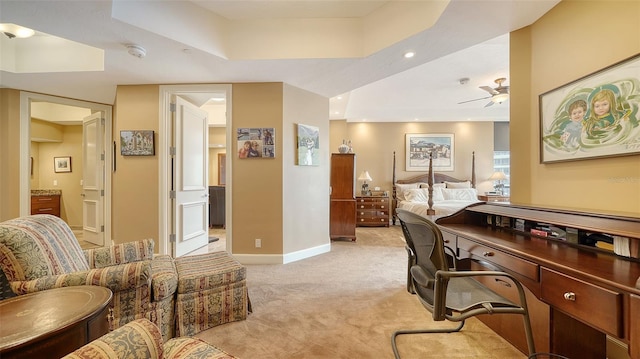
(212, 290)
(142, 339)
(40, 252)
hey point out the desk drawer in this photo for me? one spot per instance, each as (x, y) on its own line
(596, 306)
(507, 261)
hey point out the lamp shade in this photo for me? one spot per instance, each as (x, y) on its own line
(364, 176)
(498, 176)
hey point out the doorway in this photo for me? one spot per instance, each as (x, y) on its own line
(27, 100)
(196, 95)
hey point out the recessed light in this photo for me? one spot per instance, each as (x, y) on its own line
(339, 97)
(409, 54)
(13, 30)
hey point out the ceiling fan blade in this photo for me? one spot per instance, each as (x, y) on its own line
(489, 90)
(478, 99)
(489, 104)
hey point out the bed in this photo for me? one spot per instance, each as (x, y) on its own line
(433, 194)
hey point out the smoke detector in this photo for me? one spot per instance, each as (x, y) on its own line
(137, 51)
(464, 81)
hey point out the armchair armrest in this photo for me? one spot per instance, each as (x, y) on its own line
(120, 253)
(116, 278)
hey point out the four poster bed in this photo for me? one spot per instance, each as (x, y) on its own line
(432, 193)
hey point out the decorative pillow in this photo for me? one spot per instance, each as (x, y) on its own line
(437, 195)
(435, 185)
(417, 195)
(460, 194)
(465, 184)
(401, 188)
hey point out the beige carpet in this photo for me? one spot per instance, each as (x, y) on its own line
(346, 304)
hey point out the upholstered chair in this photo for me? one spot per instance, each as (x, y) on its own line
(40, 252)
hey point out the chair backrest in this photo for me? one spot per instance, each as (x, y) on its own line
(425, 239)
(40, 245)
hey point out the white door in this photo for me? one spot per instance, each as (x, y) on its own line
(190, 190)
(93, 179)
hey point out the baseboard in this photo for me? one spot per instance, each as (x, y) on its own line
(282, 258)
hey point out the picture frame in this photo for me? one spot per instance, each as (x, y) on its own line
(308, 145)
(418, 147)
(137, 143)
(256, 142)
(595, 116)
(62, 164)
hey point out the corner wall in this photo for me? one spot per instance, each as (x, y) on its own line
(561, 47)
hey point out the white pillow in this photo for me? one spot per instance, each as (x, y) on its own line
(465, 184)
(437, 194)
(460, 194)
(416, 195)
(402, 188)
(435, 185)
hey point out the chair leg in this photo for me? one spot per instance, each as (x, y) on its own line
(420, 331)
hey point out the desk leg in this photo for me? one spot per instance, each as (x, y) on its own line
(574, 339)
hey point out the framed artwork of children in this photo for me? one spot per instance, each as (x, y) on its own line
(308, 148)
(258, 142)
(593, 117)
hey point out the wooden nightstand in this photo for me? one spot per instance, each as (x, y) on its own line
(493, 198)
(372, 211)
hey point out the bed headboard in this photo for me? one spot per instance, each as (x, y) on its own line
(430, 178)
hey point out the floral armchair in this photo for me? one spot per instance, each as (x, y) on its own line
(40, 252)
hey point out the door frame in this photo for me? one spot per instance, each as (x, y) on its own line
(25, 150)
(164, 171)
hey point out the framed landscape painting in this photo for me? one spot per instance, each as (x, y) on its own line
(420, 145)
(593, 117)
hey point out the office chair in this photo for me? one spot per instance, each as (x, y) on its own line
(449, 294)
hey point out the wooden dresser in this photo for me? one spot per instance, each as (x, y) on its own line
(577, 293)
(45, 202)
(342, 216)
(372, 211)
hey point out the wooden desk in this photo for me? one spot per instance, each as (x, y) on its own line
(577, 294)
(53, 323)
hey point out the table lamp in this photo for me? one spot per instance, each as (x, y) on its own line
(364, 176)
(498, 177)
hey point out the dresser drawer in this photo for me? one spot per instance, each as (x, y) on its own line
(45, 205)
(372, 202)
(596, 306)
(515, 264)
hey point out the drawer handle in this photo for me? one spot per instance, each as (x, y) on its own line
(571, 296)
(488, 254)
(381, 206)
(361, 206)
(44, 199)
(503, 282)
(45, 209)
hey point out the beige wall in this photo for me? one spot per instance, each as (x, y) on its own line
(134, 206)
(305, 214)
(9, 150)
(561, 47)
(374, 144)
(257, 183)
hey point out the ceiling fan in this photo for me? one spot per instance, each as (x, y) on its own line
(498, 94)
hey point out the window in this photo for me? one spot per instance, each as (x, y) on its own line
(501, 163)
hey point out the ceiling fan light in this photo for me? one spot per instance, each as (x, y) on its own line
(500, 98)
(13, 30)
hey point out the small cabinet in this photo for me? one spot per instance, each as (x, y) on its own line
(45, 204)
(372, 211)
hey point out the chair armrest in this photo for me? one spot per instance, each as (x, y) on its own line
(442, 282)
(120, 254)
(137, 339)
(116, 278)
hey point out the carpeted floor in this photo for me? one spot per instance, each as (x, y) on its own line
(346, 304)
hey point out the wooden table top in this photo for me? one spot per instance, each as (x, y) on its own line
(31, 316)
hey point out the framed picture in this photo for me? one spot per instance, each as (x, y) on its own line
(257, 142)
(308, 142)
(137, 143)
(593, 117)
(418, 147)
(62, 164)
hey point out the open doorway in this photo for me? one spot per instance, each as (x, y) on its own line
(54, 159)
(218, 96)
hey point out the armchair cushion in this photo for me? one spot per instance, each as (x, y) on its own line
(27, 253)
(165, 278)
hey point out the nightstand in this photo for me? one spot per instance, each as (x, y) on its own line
(372, 211)
(493, 198)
